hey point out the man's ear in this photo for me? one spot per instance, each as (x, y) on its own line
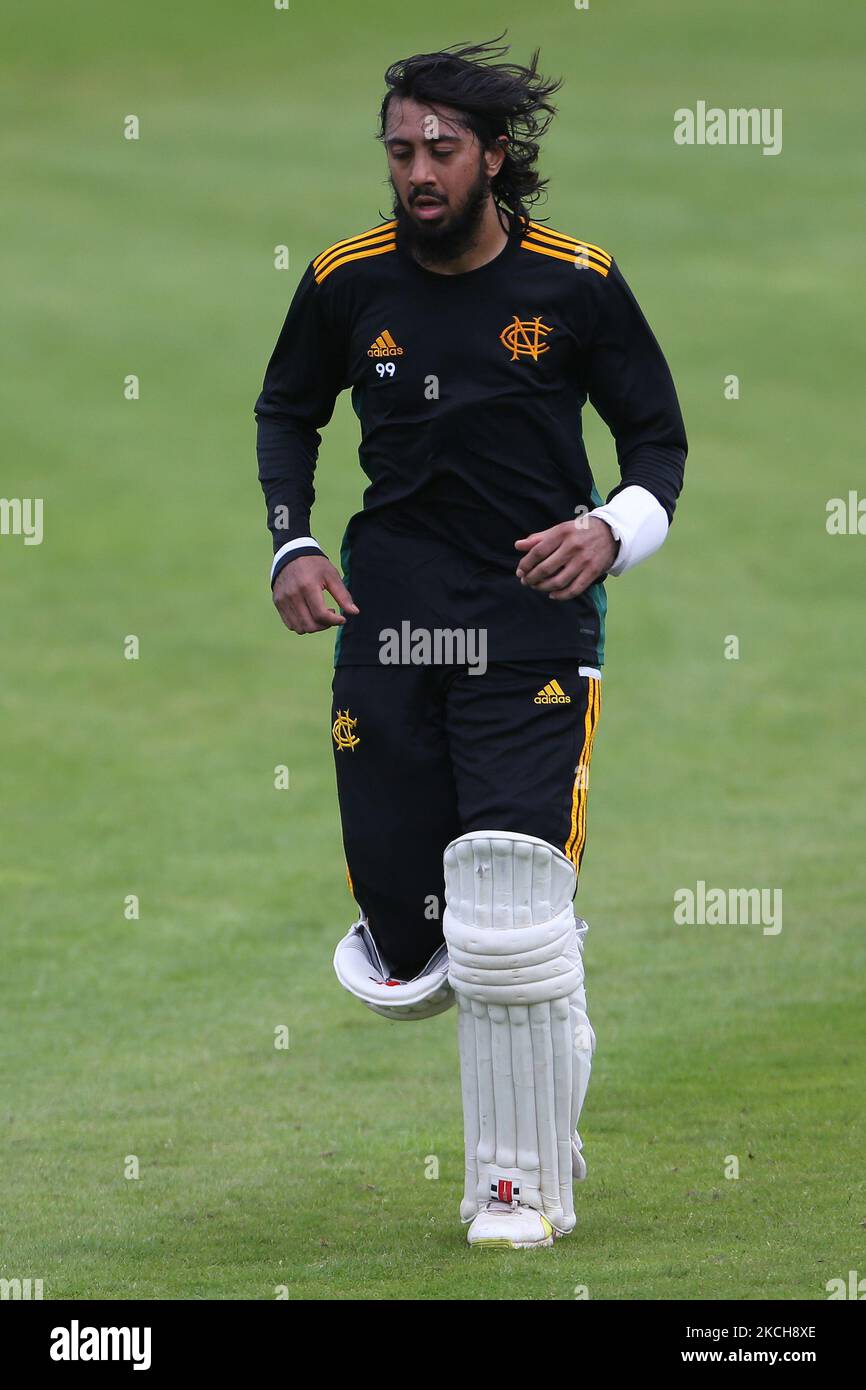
(500, 143)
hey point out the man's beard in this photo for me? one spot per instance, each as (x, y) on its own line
(435, 243)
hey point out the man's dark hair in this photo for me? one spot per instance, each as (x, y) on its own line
(495, 99)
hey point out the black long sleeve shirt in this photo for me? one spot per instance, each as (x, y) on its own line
(469, 390)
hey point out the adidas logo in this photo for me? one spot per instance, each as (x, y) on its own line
(552, 694)
(384, 346)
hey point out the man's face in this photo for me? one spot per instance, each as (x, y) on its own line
(440, 176)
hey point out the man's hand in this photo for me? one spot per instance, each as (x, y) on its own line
(566, 559)
(298, 590)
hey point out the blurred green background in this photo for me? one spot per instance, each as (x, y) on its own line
(305, 1167)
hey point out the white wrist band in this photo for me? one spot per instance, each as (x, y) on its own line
(638, 521)
(292, 545)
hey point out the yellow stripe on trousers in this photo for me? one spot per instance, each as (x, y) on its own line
(577, 837)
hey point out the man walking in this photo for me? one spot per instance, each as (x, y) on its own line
(467, 682)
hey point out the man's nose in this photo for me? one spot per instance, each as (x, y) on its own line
(421, 173)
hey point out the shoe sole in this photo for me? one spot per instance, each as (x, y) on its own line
(496, 1243)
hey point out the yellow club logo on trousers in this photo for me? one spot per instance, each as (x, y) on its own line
(343, 729)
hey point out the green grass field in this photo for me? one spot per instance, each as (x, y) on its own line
(154, 1037)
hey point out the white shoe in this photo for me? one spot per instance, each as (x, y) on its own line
(504, 1226)
(511, 1226)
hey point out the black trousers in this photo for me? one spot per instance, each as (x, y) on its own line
(426, 753)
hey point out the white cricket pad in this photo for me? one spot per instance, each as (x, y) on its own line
(526, 1043)
(361, 970)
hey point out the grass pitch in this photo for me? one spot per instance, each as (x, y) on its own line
(148, 1044)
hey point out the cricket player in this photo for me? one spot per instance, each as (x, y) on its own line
(470, 590)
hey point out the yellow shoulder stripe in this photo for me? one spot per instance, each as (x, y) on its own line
(350, 241)
(566, 248)
(355, 248)
(547, 233)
